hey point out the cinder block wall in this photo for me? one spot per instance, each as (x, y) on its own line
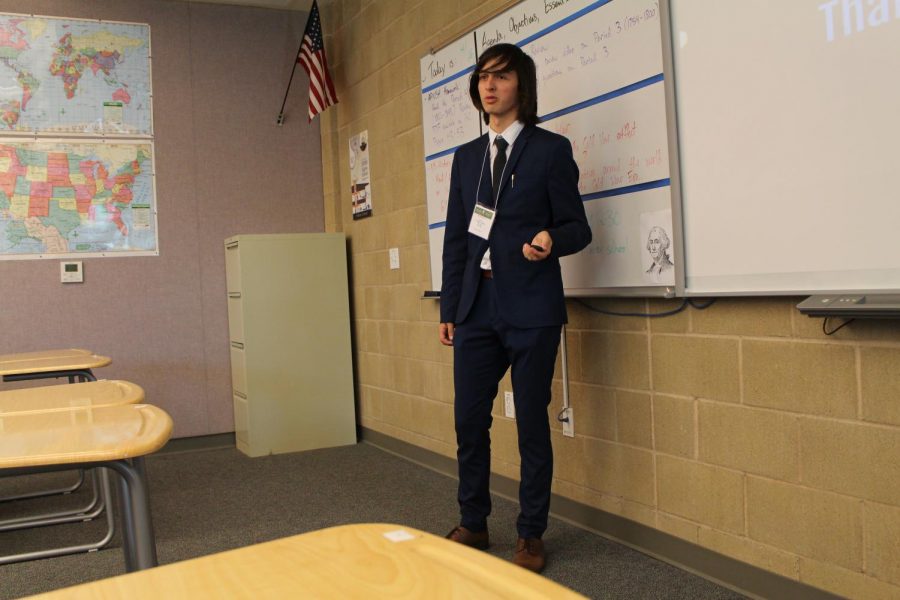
(741, 428)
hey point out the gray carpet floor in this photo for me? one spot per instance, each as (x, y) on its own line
(209, 501)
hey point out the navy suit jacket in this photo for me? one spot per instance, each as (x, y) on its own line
(539, 191)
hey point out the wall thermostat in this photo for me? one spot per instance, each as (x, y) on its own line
(71, 272)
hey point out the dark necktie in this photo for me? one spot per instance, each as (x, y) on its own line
(499, 163)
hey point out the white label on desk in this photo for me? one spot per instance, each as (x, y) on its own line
(399, 535)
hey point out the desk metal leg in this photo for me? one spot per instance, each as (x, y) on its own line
(54, 492)
(137, 532)
(140, 466)
(127, 516)
(105, 490)
(71, 515)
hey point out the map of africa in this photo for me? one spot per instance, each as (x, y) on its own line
(74, 76)
(63, 197)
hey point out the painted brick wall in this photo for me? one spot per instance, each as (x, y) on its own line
(742, 428)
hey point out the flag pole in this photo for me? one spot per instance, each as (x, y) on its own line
(311, 55)
(280, 120)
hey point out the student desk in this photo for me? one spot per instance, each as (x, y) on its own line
(62, 397)
(116, 437)
(350, 561)
(75, 364)
(72, 363)
(48, 364)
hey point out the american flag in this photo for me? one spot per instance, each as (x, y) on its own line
(312, 57)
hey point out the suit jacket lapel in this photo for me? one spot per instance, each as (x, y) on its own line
(484, 173)
(484, 189)
(517, 149)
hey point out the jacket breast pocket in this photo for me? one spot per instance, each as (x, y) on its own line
(525, 197)
(525, 183)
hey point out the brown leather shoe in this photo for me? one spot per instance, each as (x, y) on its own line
(530, 554)
(475, 539)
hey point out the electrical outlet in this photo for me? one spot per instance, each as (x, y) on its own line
(569, 422)
(509, 407)
(394, 254)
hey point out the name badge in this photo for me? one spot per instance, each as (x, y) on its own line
(482, 221)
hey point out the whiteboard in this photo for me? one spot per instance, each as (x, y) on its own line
(787, 145)
(600, 83)
(448, 117)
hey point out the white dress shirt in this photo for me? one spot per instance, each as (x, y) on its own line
(509, 134)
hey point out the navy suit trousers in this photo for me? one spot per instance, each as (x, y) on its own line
(484, 347)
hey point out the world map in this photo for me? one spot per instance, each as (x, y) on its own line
(74, 76)
(65, 197)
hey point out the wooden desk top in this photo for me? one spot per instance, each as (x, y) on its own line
(350, 561)
(58, 353)
(32, 363)
(64, 397)
(81, 435)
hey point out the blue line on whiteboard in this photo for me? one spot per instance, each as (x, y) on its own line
(527, 40)
(630, 189)
(441, 153)
(446, 80)
(605, 97)
(575, 107)
(563, 22)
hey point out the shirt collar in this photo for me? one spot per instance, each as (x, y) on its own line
(509, 134)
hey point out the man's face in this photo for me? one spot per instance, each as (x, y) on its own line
(654, 244)
(499, 91)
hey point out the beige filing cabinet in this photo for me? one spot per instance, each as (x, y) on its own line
(289, 325)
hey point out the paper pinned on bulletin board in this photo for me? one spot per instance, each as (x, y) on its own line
(360, 183)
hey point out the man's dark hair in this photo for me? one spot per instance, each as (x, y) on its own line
(509, 57)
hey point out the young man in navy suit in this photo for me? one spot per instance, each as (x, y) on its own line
(513, 210)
